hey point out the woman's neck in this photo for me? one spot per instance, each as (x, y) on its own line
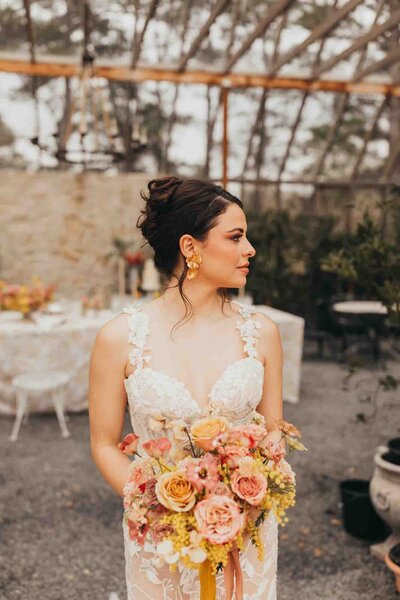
(206, 302)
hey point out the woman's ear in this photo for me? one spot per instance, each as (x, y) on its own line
(186, 244)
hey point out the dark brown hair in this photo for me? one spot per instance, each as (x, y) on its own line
(174, 207)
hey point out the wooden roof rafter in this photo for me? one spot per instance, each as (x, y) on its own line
(138, 38)
(203, 33)
(56, 68)
(323, 29)
(392, 57)
(360, 43)
(368, 136)
(343, 103)
(304, 98)
(272, 13)
(264, 96)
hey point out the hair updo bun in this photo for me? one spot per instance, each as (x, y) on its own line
(174, 207)
(160, 191)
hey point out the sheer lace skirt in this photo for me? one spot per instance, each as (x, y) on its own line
(147, 582)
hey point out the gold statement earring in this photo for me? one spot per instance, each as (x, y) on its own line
(193, 263)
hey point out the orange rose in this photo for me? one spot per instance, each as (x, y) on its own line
(175, 492)
(205, 432)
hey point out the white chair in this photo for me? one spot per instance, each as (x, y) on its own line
(37, 383)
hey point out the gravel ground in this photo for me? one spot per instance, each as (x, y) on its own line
(60, 525)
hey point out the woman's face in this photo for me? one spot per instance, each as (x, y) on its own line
(226, 250)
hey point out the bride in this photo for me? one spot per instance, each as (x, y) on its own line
(189, 349)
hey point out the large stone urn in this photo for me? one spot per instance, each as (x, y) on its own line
(384, 491)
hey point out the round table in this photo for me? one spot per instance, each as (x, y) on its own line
(361, 317)
(361, 307)
(62, 343)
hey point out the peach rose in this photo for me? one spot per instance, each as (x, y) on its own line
(158, 447)
(218, 518)
(205, 432)
(129, 444)
(275, 450)
(231, 453)
(247, 435)
(140, 471)
(175, 492)
(251, 488)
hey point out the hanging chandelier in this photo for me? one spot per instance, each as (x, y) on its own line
(91, 136)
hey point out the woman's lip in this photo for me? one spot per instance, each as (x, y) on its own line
(244, 269)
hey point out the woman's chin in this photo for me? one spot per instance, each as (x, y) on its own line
(237, 282)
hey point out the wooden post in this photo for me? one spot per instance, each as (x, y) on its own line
(225, 138)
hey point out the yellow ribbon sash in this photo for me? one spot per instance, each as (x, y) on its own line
(232, 575)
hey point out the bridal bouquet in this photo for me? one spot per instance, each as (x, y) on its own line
(197, 498)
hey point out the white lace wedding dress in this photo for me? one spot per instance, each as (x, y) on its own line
(235, 395)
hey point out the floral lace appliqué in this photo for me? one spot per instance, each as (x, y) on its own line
(155, 401)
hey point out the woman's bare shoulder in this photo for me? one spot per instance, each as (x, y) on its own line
(268, 325)
(113, 333)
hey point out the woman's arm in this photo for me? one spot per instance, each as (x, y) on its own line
(271, 405)
(107, 402)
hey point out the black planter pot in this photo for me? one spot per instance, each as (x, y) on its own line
(392, 457)
(360, 518)
(394, 448)
(394, 554)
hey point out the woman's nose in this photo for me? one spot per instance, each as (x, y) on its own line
(251, 251)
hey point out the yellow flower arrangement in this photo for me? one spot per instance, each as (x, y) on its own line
(25, 298)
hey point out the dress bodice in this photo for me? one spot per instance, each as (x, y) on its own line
(156, 398)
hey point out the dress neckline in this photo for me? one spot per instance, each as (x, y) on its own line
(249, 329)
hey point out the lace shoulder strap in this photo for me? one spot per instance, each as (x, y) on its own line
(250, 329)
(138, 324)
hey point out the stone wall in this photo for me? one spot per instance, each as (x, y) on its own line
(60, 226)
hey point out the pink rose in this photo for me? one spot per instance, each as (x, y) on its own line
(137, 524)
(203, 473)
(129, 444)
(157, 447)
(140, 472)
(223, 490)
(149, 496)
(218, 518)
(160, 530)
(251, 488)
(138, 532)
(231, 453)
(275, 450)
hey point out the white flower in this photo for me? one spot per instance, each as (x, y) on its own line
(178, 427)
(156, 422)
(195, 553)
(165, 550)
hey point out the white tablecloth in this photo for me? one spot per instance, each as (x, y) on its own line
(291, 329)
(24, 346)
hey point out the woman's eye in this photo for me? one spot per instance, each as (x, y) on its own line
(236, 238)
